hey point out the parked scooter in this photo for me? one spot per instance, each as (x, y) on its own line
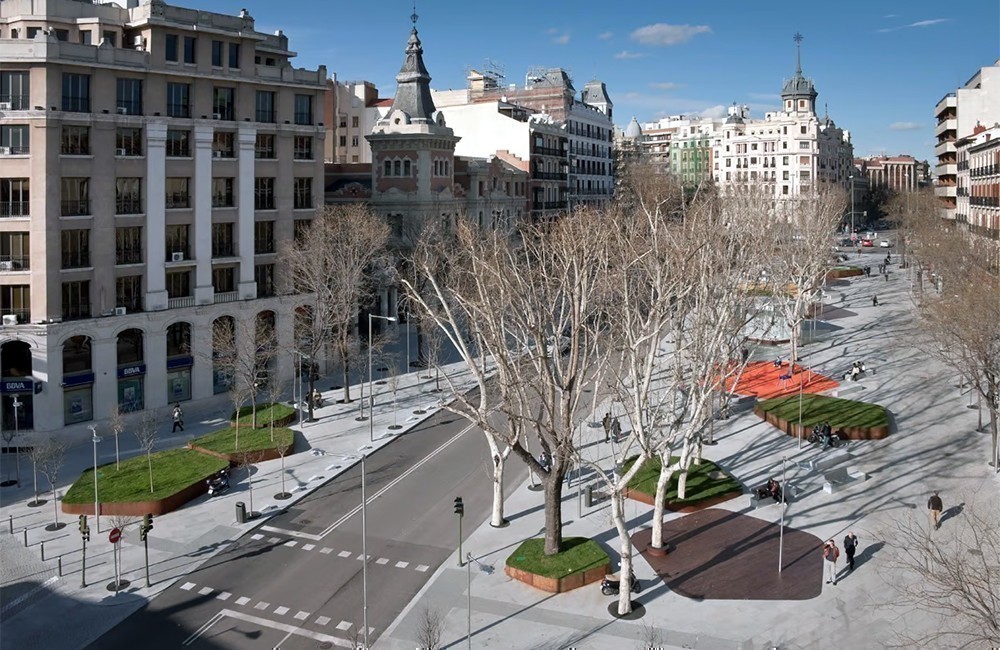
(611, 585)
(817, 436)
(218, 483)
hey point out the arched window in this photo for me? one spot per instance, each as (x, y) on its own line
(76, 355)
(223, 350)
(406, 167)
(388, 168)
(131, 370)
(179, 340)
(396, 167)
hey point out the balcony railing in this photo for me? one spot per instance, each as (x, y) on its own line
(14, 209)
(222, 201)
(128, 255)
(15, 263)
(984, 170)
(132, 304)
(180, 302)
(128, 205)
(548, 151)
(23, 315)
(551, 205)
(14, 102)
(548, 176)
(76, 104)
(178, 200)
(265, 116)
(75, 207)
(14, 151)
(77, 312)
(129, 107)
(178, 110)
(224, 249)
(985, 201)
(263, 246)
(304, 118)
(226, 296)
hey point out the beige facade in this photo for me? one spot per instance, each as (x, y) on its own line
(163, 155)
(978, 181)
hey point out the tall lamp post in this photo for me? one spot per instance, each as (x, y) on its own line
(364, 550)
(97, 506)
(851, 179)
(781, 525)
(371, 388)
(17, 404)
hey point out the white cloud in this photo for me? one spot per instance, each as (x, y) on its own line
(663, 34)
(905, 126)
(604, 36)
(919, 23)
(562, 39)
(625, 54)
(713, 112)
(890, 16)
(665, 85)
(764, 96)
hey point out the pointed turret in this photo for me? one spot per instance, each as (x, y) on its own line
(798, 94)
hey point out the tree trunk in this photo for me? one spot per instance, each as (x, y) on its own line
(253, 410)
(55, 503)
(236, 446)
(149, 464)
(618, 516)
(553, 484)
(684, 464)
(309, 398)
(345, 365)
(250, 486)
(117, 462)
(497, 518)
(660, 502)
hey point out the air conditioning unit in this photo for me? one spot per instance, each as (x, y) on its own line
(177, 256)
(216, 154)
(139, 42)
(5, 106)
(121, 151)
(122, 110)
(216, 116)
(4, 151)
(120, 311)
(9, 320)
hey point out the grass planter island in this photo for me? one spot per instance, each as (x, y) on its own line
(838, 272)
(848, 419)
(178, 476)
(276, 412)
(581, 562)
(256, 443)
(707, 485)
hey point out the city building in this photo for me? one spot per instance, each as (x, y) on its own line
(351, 110)
(957, 114)
(792, 150)
(154, 160)
(978, 181)
(901, 173)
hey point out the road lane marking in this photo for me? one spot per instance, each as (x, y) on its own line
(280, 611)
(326, 531)
(308, 547)
(204, 628)
(242, 600)
(343, 626)
(302, 616)
(204, 591)
(402, 565)
(326, 550)
(291, 542)
(187, 586)
(256, 536)
(344, 554)
(281, 627)
(272, 540)
(322, 620)
(422, 568)
(262, 605)
(225, 595)
(382, 560)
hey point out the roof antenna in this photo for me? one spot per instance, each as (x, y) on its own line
(798, 52)
(414, 16)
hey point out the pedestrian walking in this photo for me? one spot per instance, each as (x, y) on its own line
(178, 416)
(606, 423)
(616, 429)
(886, 276)
(850, 546)
(935, 506)
(830, 556)
(874, 300)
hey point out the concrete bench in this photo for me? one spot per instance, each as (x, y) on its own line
(842, 476)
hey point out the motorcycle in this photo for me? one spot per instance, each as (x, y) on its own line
(611, 585)
(218, 483)
(816, 436)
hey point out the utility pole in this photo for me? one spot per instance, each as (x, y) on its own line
(460, 511)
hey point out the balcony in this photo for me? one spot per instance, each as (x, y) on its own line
(75, 207)
(548, 151)
(948, 146)
(15, 151)
(947, 169)
(226, 296)
(949, 101)
(14, 103)
(985, 201)
(14, 209)
(548, 176)
(950, 124)
(72, 104)
(175, 200)
(23, 315)
(128, 205)
(180, 302)
(945, 191)
(985, 170)
(551, 205)
(10, 263)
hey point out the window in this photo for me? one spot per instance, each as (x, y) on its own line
(128, 292)
(15, 88)
(805, 160)
(222, 144)
(263, 275)
(234, 56)
(302, 193)
(178, 284)
(129, 96)
(354, 140)
(128, 196)
(784, 189)
(76, 300)
(177, 241)
(223, 279)
(263, 237)
(301, 229)
(75, 141)
(303, 147)
(75, 249)
(75, 196)
(803, 145)
(343, 121)
(16, 299)
(178, 143)
(86, 37)
(802, 129)
(76, 92)
(177, 193)
(178, 100)
(343, 142)
(784, 175)
(217, 54)
(222, 193)
(265, 106)
(190, 43)
(263, 193)
(264, 147)
(128, 142)
(128, 245)
(303, 109)
(804, 174)
(222, 240)
(15, 251)
(170, 52)
(14, 197)
(223, 103)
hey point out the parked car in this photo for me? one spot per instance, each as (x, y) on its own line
(885, 243)
(867, 243)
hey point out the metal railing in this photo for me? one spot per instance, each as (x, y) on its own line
(15, 151)
(23, 315)
(17, 102)
(178, 200)
(226, 296)
(14, 209)
(180, 302)
(72, 104)
(128, 255)
(128, 205)
(75, 207)
(15, 262)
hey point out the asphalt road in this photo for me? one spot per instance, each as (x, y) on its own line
(296, 581)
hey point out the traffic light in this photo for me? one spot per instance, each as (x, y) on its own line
(459, 507)
(147, 525)
(84, 528)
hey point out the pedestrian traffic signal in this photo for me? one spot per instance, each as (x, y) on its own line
(84, 528)
(459, 507)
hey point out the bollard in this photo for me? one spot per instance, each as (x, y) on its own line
(59, 568)
(10, 520)
(43, 551)
(25, 538)
(588, 496)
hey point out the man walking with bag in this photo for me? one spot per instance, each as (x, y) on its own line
(178, 416)
(830, 555)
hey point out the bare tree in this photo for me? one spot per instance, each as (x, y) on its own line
(247, 461)
(122, 523)
(333, 263)
(950, 576)
(242, 350)
(35, 454)
(117, 420)
(393, 381)
(8, 436)
(430, 628)
(274, 390)
(49, 456)
(282, 452)
(146, 433)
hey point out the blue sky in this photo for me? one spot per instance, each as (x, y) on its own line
(879, 65)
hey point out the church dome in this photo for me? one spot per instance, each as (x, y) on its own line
(633, 131)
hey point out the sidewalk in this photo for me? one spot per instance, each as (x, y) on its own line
(932, 446)
(34, 596)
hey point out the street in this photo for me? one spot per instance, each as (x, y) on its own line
(296, 580)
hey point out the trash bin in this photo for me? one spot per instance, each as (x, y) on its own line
(241, 512)
(588, 496)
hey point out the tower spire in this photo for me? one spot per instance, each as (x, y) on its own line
(798, 52)
(414, 16)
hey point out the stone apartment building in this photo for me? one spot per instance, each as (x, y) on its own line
(153, 159)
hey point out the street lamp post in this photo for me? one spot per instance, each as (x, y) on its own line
(97, 506)
(17, 404)
(407, 369)
(781, 525)
(371, 388)
(851, 179)
(364, 551)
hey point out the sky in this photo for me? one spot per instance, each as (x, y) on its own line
(880, 66)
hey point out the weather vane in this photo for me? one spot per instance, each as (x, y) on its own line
(414, 15)
(797, 38)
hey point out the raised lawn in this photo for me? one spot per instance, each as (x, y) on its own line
(704, 481)
(223, 441)
(840, 413)
(265, 413)
(578, 554)
(173, 470)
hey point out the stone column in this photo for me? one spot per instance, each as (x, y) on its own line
(156, 234)
(203, 291)
(247, 139)
(155, 382)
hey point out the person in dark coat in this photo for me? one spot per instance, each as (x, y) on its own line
(935, 506)
(850, 547)
(606, 423)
